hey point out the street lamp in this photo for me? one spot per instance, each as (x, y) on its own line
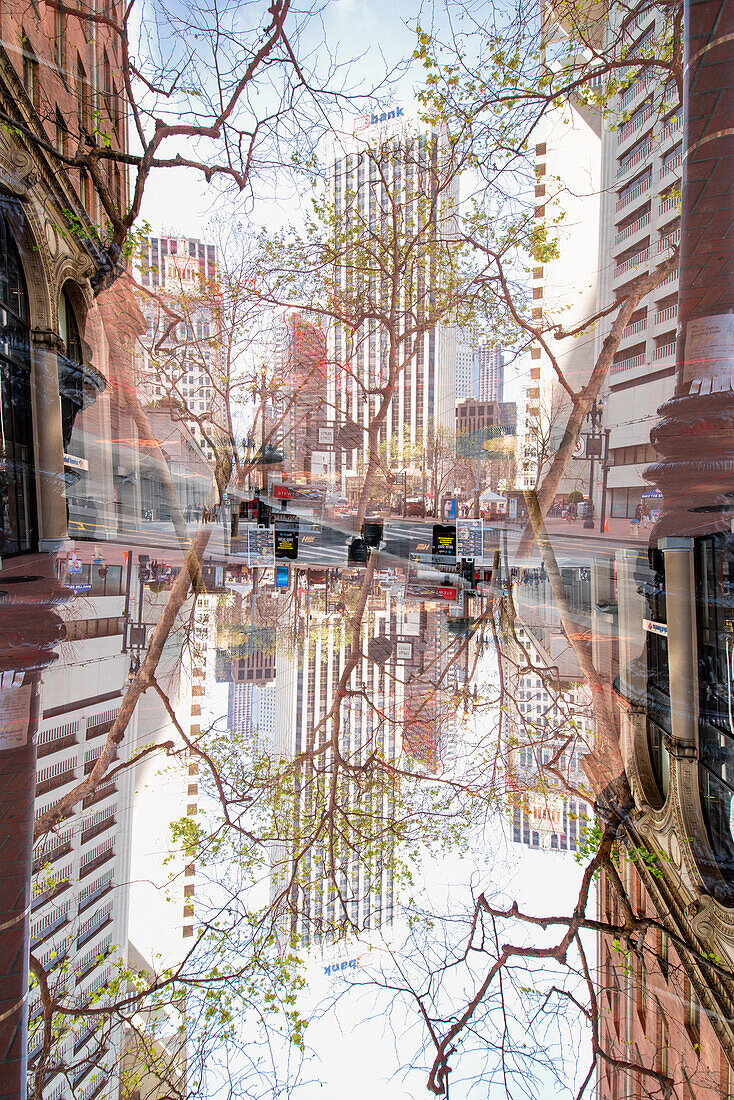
(593, 448)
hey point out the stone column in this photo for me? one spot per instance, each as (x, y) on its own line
(29, 630)
(50, 480)
(632, 648)
(680, 607)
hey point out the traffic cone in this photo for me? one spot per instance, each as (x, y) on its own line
(606, 524)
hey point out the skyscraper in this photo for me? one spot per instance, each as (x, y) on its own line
(466, 372)
(179, 358)
(318, 886)
(490, 373)
(390, 169)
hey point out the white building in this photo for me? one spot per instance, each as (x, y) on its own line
(564, 289)
(490, 373)
(466, 372)
(389, 160)
(305, 690)
(101, 895)
(640, 221)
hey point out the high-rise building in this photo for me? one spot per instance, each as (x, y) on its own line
(251, 710)
(394, 160)
(549, 722)
(466, 372)
(640, 223)
(568, 149)
(179, 358)
(308, 907)
(490, 373)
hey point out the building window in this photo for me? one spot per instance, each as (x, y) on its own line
(82, 96)
(661, 1054)
(70, 365)
(30, 70)
(60, 38)
(692, 1007)
(17, 468)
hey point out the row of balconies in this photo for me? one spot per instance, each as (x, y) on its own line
(640, 325)
(663, 352)
(665, 206)
(645, 185)
(636, 89)
(637, 259)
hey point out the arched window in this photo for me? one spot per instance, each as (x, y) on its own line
(71, 368)
(18, 521)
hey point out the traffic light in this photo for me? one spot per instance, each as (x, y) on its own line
(358, 552)
(372, 532)
(467, 572)
(262, 511)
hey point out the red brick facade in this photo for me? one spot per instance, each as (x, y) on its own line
(649, 1014)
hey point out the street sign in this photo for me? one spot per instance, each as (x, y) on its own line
(286, 542)
(444, 542)
(282, 492)
(281, 576)
(469, 538)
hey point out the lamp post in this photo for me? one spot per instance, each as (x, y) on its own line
(595, 415)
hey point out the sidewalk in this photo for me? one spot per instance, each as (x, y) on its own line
(618, 530)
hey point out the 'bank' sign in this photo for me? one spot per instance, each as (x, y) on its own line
(361, 122)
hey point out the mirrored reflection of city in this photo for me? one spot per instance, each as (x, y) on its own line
(366, 555)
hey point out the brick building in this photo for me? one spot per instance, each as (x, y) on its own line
(653, 1012)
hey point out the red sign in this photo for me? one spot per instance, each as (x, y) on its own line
(447, 593)
(282, 492)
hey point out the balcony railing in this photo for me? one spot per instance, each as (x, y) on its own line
(668, 241)
(664, 351)
(670, 128)
(672, 202)
(634, 124)
(634, 192)
(672, 164)
(635, 327)
(667, 314)
(98, 795)
(634, 261)
(637, 157)
(632, 228)
(628, 364)
(636, 89)
(66, 774)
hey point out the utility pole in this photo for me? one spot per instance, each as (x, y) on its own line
(605, 475)
(591, 444)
